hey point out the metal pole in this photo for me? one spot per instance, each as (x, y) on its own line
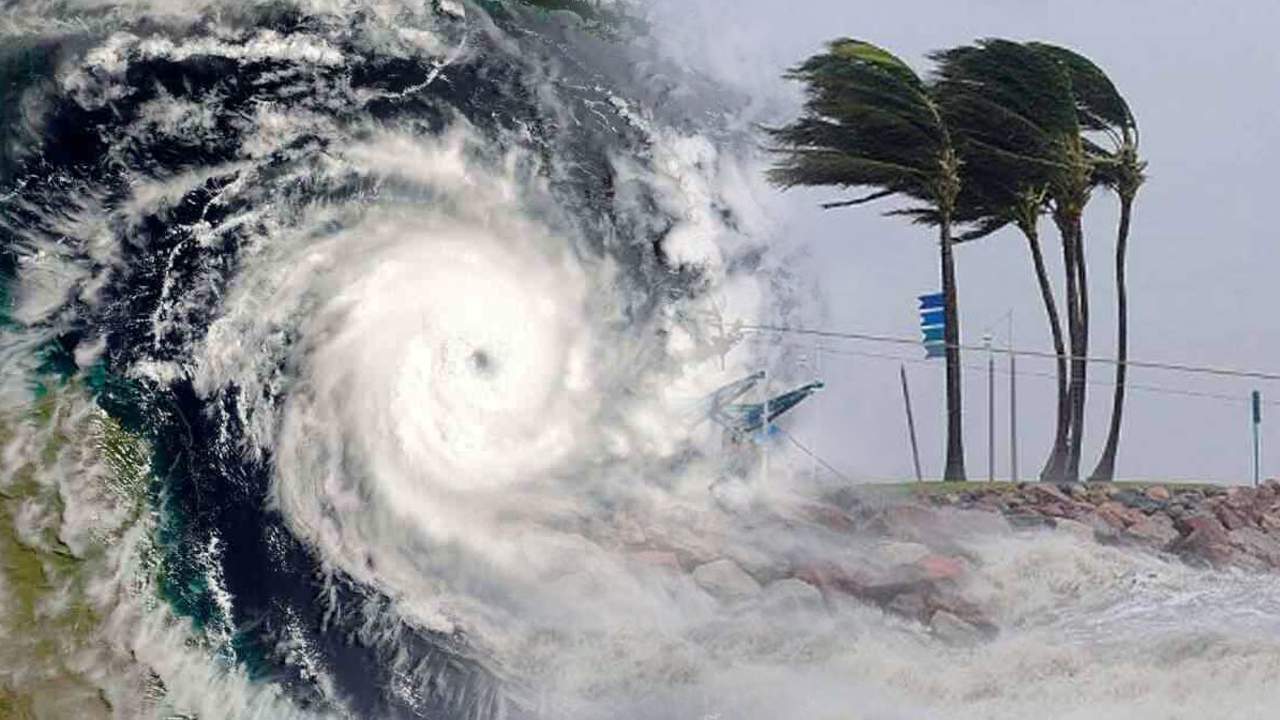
(1013, 406)
(1256, 399)
(991, 409)
(817, 372)
(764, 431)
(911, 423)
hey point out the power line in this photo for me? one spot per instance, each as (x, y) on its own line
(815, 456)
(868, 337)
(1156, 389)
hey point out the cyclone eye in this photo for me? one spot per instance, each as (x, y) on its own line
(482, 363)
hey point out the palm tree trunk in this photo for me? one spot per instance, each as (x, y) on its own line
(1082, 364)
(1066, 230)
(1105, 471)
(1058, 455)
(951, 335)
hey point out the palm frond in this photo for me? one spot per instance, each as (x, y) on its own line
(868, 121)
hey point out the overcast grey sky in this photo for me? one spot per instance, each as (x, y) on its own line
(1202, 78)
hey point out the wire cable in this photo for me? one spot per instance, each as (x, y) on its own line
(869, 337)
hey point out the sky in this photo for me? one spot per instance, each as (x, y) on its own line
(1201, 78)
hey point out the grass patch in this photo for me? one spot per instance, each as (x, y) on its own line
(936, 487)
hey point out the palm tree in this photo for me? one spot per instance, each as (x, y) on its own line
(870, 122)
(1013, 109)
(1103, 111)
(994, 197)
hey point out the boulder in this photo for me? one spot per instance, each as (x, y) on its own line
(830, 517)
(1138, 501)
(759, 564)
(875, 585)
(910, 605)
(1240, 498)
(1119, 515)
(656, 559)
(1083, 531)
(1046, 493)
(1159, 493)
(792, 596)
(725, 581)
(913, 523)
(896, 552)
(1204, 540)
(953, 631)
(942, 567)
(1269, 520)
(1256, 543)
(1200, 521)
(1028, 520)
(1231, 516)
(1155, 531)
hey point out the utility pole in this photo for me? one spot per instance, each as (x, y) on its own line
(991, 409)
(1013, 406)
(1256, 402)
(911, 423)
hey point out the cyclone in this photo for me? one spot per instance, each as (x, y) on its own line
(397, 300)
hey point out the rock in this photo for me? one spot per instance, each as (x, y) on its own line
(953, 631)
(1156, 531)
(656, 559)
(766, 567)
(1190, 498)
(874, 585)
(1258, 544)
(1079, 530)
(1103, 531)
(725, 581)
(1138, 501)
(1025, 520)
(1118, 515)
(942, 567)
(1240, 498)
(909, 605)
(1110, 517)
(1200, 521)
(1231, 517)
(901, 553)
(1270, 520)
(692, 548)
(1159, 493)
(908, 522)
(1046, 493)
(830, 517)
(1205, 539)
(792, 596)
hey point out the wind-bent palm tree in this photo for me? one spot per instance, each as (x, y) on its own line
(1103, 110)
(996, 196)
(1013, 109)
(869, 121)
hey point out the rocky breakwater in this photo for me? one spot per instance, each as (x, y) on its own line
(910, 554)
(893, 554)
(1211, 526)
